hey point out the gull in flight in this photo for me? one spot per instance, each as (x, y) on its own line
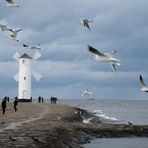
(105, 58)
(32, 46)
(86, 92)
(11, 3)
(144, 88)
(5, 28)
(14, 35)
(86, 22)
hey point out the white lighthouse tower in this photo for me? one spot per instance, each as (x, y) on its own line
(23, 77)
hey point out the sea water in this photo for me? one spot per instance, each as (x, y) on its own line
(118, 143)
(117, 111)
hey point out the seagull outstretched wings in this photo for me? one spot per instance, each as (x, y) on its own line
(95, 51)
(141, 81)
(11, 3)
(99, 56)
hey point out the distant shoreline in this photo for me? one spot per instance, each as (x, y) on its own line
(54, 125)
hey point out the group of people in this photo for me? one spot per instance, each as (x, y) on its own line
(40, 99)
(53, 100)
(4, 104)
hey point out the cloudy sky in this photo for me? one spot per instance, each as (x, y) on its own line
(66, 65)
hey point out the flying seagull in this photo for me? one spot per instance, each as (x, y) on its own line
(14, 35)
(32, 46)
(11, 3)
(144, 88)
(104, 58)
(5, 28)
(86, 92)
(86, 22)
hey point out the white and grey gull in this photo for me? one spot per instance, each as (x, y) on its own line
(86, 92)
(32, 46)
(11, 3)
(144, 87)
(14, 35)
(86, 22)
(5, 28)
(99, 56)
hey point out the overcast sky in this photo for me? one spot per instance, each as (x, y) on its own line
(66, 65)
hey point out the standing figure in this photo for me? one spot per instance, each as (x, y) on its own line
(3, 105)
(8, 99)
(15, 104)
(55, 100)
(42, 99)
(31, 99)
(39, 99)
(52, 99)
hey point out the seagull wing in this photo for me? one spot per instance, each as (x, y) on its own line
(82, 94)
(95, 51)
(142, 81)
(89, 93)
(90, 21)
(13, 35)
(18, 30)
(2, 27)
(14, 32)
(8, 28)
(10, 1)
(86, 24)
(25, 45)
(35, 47)
(113, 66)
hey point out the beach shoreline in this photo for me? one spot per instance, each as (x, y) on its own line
(55, 125)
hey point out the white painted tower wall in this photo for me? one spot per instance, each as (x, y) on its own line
(24, 78)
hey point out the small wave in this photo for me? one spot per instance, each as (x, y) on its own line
(88, 117)
(87, 120)
(99, 113)
(97, 116)
(107, 117)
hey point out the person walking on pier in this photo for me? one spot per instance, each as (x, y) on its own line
(15, 104)
(3, 105)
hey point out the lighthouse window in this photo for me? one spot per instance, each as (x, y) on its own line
(24, 78)
(23, 61)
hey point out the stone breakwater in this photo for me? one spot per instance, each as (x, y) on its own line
(57, 126)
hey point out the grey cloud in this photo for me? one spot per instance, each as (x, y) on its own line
(68, 66)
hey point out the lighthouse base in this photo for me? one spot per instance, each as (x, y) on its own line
(24, 100)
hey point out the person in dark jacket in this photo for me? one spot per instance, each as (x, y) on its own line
(15, 104)
(39, 99)
(4, 105)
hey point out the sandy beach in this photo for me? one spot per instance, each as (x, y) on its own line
(56, 126)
